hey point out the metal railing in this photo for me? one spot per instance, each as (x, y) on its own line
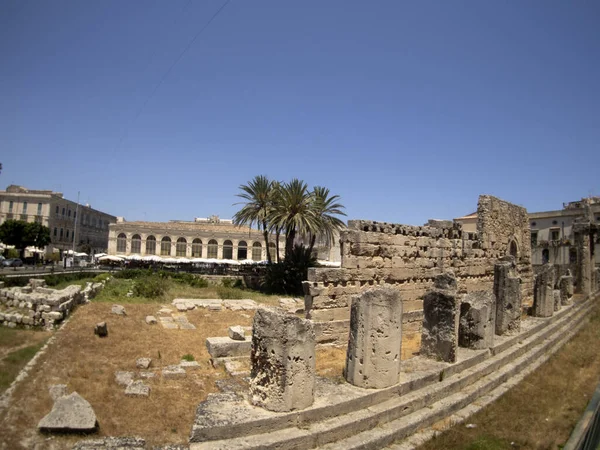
(586, 435)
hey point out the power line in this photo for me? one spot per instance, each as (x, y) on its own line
(168, 71)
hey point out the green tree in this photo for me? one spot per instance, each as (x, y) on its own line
(258, 195)
(326, 208)
(22, 234)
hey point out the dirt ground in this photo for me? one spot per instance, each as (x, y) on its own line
(87, 364)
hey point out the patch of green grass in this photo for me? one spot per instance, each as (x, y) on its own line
(12, 364)
(11, 337)
(488, 443)
(116, 290)
(188, 357)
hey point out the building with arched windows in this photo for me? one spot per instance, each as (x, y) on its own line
(202, 238)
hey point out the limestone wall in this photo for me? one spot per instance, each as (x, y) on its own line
(408, 258)
(36, 305)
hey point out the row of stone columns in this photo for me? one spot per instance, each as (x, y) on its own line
(283, 345)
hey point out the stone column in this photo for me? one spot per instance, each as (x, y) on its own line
(584, 281)
(507, 290)
(477, 320)
(441, 314)
(565, 284)
(557, 301)
(375, 339)
(282, 361)
(543, 292)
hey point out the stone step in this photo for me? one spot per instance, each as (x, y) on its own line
(320, 424)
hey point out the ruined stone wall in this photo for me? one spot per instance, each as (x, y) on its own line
(408, 258)
(36, 305)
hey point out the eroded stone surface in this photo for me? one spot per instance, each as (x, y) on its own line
(101, 329)
(565, 285)
(507, 290)
(221, 347)
(124, 378)
(374, 344)
(441, 314)
(57, 390)
(111, 443)
(237, 333)
(477, 320)
(557, 302)
(118, 310)
(543, 292)
(282, 361)
(137, 389)
(151, 320)
(143, 363)
(173, 372)
(70, 413)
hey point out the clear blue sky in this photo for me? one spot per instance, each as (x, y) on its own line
(407, 110)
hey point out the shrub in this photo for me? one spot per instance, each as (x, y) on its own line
(188, 357)
(132, 274)
(149, 287)
(287, 277)
(232, 283)
(101, 277)
(230, 293)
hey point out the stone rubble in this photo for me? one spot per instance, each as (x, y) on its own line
(143, 363)
(101, 329)
(118, 310)
(137, 389)
(151, 320)
(236, 333)
(477, 324)
(543, 292)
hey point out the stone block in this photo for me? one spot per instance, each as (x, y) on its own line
(101, 329)
(70, 413)
(189, 365)
(137, 389)
(151, 320)
(124, 378)
(375, 340)
(236, 333)
(143, 363)
(282, 361)
(219, 347)
(173, 372)
(118, 310)
(441, 314)
(477, 323)
(37, 283)
(507, 290)
(543, 292)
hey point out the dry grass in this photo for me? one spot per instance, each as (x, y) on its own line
(330, 362)
(87, 365)
(541, 412)
(17, 347)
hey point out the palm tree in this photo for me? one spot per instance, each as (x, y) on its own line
(325, 209)
(258, 195)
(293, 212)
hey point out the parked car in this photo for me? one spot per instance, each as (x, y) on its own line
(13, 262)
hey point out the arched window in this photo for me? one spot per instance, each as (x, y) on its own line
(165, 246)
(242, 250)
(121, 243)
(545, 256)
(227, 250)
(150, 245)
(181, 247)
(136, 244)
(196, 248)
(212, 249)
(256, 251)
(273, 251)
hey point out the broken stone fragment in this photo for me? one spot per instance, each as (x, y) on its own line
(101, 329)
(507, 290)
(173, 372)
(151, 320)
(237, 333)
(70, 413)
(543, 292)
(565, 285)
(557, 301)
(137, 389)
(143, 363)
(118, 310)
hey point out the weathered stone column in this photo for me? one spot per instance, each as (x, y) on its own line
(557, 301)
(507, 290)
(584, 272)
(441, 314)
(477, 320)
(282, 361)
(543, 292)
(375, 339)
(565, 284)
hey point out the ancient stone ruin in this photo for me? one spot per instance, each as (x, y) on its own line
(36, 305)
(441, 314)
(375, 339)
(477, 323)
(283, 361)
(543, 293)
(408, 258)
(507, 291)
